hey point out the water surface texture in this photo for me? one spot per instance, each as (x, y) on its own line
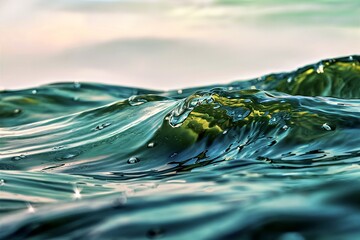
(275, 157)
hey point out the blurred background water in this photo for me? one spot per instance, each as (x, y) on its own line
(168, 44)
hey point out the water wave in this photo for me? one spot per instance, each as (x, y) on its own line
(275, 157)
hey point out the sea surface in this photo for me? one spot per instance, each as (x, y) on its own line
(276, 157)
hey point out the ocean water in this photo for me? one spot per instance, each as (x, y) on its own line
(276, 157)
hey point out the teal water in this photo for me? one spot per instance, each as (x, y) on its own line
(270, 158)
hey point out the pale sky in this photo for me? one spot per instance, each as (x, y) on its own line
(167, 44)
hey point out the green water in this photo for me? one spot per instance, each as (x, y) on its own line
(270, 158)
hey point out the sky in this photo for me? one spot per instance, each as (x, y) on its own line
(168, 44)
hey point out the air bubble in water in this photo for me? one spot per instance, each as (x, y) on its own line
(2, 182)
(326, 127)
(151, 145)
(133, 160)
(179, 91)
(17, 110)
(34, 91)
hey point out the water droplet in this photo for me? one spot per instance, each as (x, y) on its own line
(180, 91)
(17, 110)
(225, 132)
(133, 160)
(238, 113)
(326, 127)
(151, 145)
(289, 80)
(136, 100)
(231, 88)
(2, 182)
(181, 112)
(102, 126)
(77, 85)
(76, 99)
(253, 87)
(17, 158)
(34, 91)
(30, 208)
(351, 58)
(320, 69)
(285, 127)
